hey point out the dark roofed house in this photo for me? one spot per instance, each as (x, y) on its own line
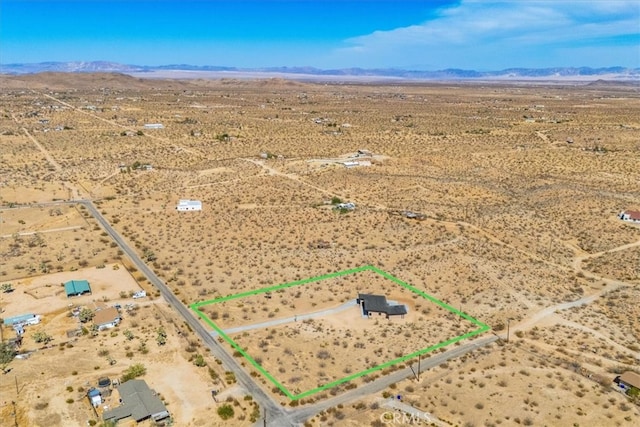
(138, 402)
(75, 288)
(379, 304)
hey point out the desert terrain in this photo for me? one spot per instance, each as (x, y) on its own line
(518, 187)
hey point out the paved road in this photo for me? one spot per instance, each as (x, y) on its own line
(376, 386)
(276, 414)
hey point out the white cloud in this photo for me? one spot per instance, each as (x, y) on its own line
(499, 34)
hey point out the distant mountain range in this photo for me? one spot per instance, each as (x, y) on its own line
(564, 73)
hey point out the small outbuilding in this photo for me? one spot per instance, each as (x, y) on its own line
(94, 397)
(74, 288)
(189, 205)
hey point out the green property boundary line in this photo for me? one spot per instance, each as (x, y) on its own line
(196, 308)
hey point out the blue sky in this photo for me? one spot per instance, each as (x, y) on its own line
(422, 35)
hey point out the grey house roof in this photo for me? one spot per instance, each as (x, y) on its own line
(138, 402)
(379, 304)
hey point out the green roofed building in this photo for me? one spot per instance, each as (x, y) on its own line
(75, 288)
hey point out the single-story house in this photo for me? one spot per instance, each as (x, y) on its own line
(628, 380)
(106, 318)
(189, 205)
(74, 288)
(23, 319)
(349, 206)
(379, 304)
(138, 402)
(631, 216)
(350, 164)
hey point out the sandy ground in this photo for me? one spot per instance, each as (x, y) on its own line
(45, 294)
(518, 219)
(336, 344)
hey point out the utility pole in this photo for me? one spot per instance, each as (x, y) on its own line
(15, 413)
(508, 321)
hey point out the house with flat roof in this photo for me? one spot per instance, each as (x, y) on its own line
(378, 304)
(23, 319)
(139, 403)
(189, 205)
(74, 288)
(154, 126)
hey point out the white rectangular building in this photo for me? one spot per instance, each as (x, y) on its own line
(23, 319)
(189, 205)
(154, 126)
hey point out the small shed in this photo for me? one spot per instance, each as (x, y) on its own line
(94, 397)
(74, 288)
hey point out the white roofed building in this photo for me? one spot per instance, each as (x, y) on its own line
(189, 205)
(154, 126)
